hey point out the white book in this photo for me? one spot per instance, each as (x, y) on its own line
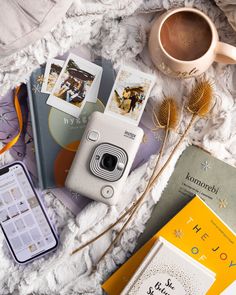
(167, 270)
(230, 290)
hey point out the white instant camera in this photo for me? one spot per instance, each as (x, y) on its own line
(104, 158)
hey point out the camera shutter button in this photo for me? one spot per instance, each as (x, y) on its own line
(93, 135)
(107, 191)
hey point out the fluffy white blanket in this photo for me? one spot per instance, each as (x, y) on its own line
(118, 30)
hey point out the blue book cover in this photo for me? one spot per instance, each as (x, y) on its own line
(56, 134)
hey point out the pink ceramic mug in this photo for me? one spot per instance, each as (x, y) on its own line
(184, 42)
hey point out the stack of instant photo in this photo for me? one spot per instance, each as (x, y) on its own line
(77, 82)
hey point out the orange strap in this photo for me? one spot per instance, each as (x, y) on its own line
(20, 120)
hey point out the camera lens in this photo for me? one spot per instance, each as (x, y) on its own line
(108, 162)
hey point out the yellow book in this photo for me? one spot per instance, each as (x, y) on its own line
(200, 233)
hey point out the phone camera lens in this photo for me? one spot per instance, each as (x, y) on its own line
(108, 162)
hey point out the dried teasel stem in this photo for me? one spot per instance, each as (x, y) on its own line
(200, 99)
(167, 112)
(200, 102)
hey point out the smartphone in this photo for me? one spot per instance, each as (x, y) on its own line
(23, 220)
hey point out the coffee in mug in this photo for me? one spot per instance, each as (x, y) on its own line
(184, 43)
(186, 36)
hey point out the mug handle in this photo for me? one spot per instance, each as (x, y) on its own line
(225, 53)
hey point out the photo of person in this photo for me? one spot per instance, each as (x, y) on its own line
(53, 76)
(52, 71)
(131, 99)
(129, 94)
(74, 85)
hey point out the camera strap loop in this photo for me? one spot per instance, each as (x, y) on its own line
(20, 120)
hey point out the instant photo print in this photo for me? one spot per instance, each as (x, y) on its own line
(52, 72)
(129, 95)
(77, 83)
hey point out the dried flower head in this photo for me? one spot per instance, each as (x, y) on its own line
(201, 97)
(167, 115)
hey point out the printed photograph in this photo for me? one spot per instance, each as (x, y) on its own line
(129, 94)
(74, 85)
(52, 72)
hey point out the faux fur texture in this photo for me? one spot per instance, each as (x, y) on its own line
(117, 30)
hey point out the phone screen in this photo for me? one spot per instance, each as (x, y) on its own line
(22, 217)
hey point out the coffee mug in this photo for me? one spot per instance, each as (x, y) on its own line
(184, 43)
